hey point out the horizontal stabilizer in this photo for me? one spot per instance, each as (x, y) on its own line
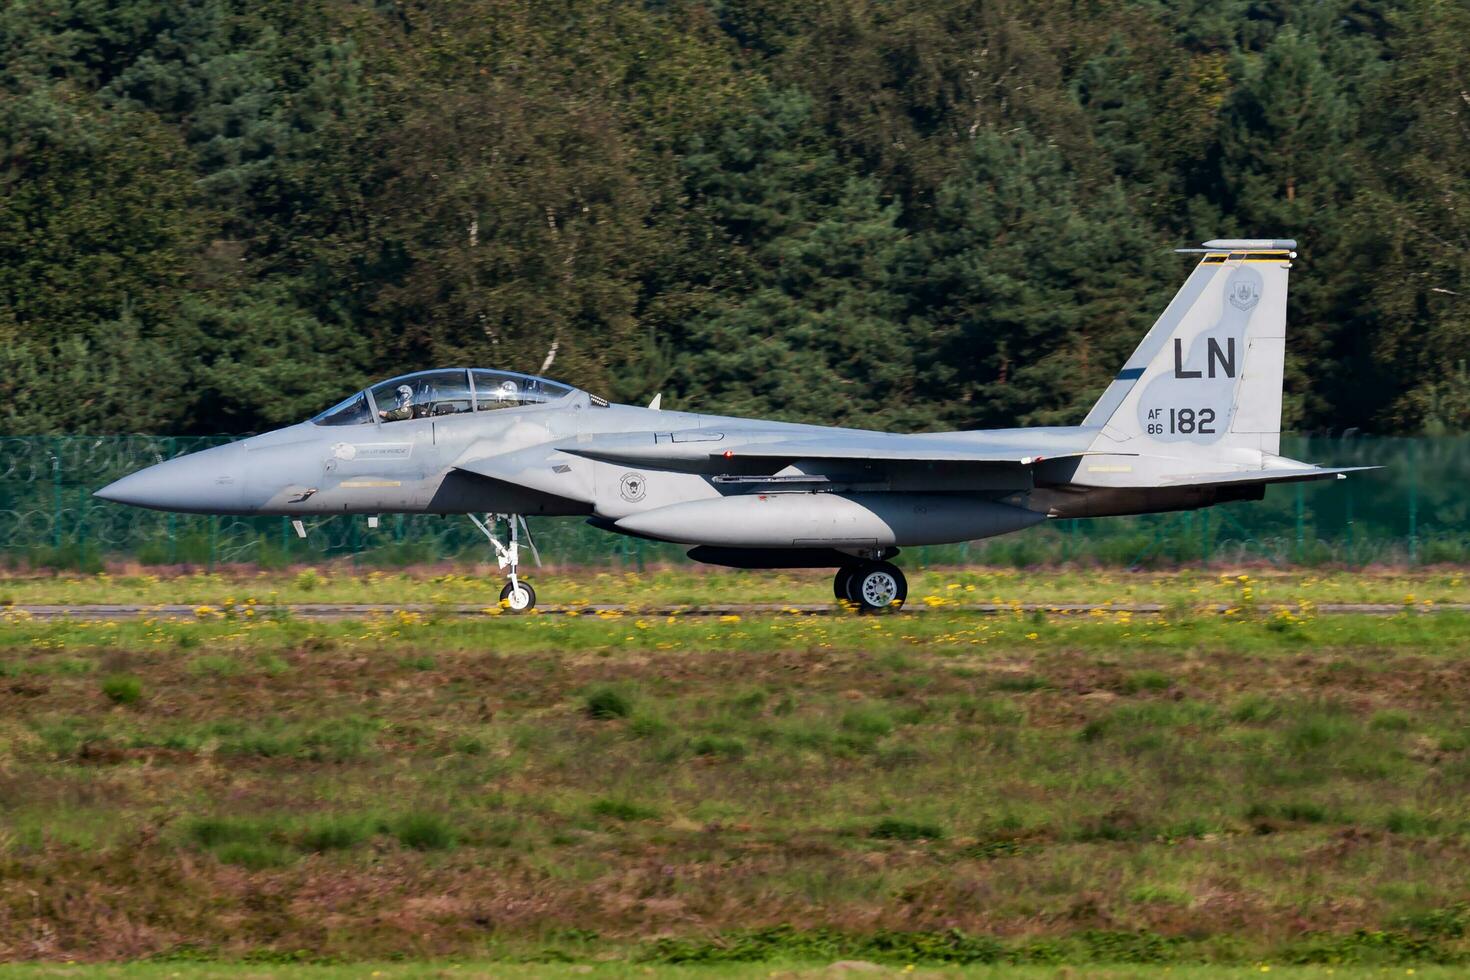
(1275, 475)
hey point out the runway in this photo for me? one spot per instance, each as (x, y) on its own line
(337, 611)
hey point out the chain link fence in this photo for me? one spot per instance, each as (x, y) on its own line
(1413, 511)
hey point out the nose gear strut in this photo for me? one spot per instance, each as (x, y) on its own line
(517, 595)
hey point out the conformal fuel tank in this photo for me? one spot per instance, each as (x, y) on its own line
(830, 520)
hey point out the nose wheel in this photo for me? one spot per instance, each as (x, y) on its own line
(517, 596)
(875, 586)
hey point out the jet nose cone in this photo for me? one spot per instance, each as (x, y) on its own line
(205, 482)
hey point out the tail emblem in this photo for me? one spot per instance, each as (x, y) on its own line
(1245, 294)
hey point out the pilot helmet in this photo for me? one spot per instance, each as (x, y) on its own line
(405, 393)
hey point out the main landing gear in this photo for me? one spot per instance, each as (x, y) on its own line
(517, 596)
(871, 586)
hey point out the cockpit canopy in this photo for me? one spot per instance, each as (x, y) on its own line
(430, 394)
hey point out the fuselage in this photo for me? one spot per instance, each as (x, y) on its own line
(423, 465)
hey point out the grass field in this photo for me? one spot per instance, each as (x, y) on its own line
(703, 585)
(1257, 787)
(473, 970)
(740, 971)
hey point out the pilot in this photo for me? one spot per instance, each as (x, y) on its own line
(404, 410)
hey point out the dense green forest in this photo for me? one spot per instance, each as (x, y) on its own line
(223, 215)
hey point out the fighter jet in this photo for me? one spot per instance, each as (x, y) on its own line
(1192, 419)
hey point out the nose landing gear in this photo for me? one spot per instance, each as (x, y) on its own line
(517, 596)
(872, 586)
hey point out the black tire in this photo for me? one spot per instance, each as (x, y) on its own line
(877, 587)
(841, 582)
(528, 593)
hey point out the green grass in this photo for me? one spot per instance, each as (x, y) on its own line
(248, 592)
(943, 787)
(906, 830)
(622, 970)
(122, 690)
(606, 703)
(425, 831)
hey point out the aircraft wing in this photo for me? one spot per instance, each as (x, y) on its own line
(701, 451)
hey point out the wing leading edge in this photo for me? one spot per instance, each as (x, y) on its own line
(713, 452)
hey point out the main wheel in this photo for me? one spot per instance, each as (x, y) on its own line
(518, 599)
(842, 582)
(877, 587)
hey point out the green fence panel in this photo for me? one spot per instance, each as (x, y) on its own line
(1411, 511)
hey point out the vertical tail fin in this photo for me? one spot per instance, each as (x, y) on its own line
(1207, 377)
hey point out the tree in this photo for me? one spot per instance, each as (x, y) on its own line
(1416, 230)
(1040, 287)
(805, 320)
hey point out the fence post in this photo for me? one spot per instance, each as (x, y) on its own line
(81, 528)
(1301, 531)
(1205, 542)
(1413, 502)
(56, 493)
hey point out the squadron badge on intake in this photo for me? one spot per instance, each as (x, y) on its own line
(633, 487)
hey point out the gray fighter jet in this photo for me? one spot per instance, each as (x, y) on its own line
(1192, 419)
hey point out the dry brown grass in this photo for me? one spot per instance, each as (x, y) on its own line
(1230, 786)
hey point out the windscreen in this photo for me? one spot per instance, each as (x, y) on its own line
(353, 410)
